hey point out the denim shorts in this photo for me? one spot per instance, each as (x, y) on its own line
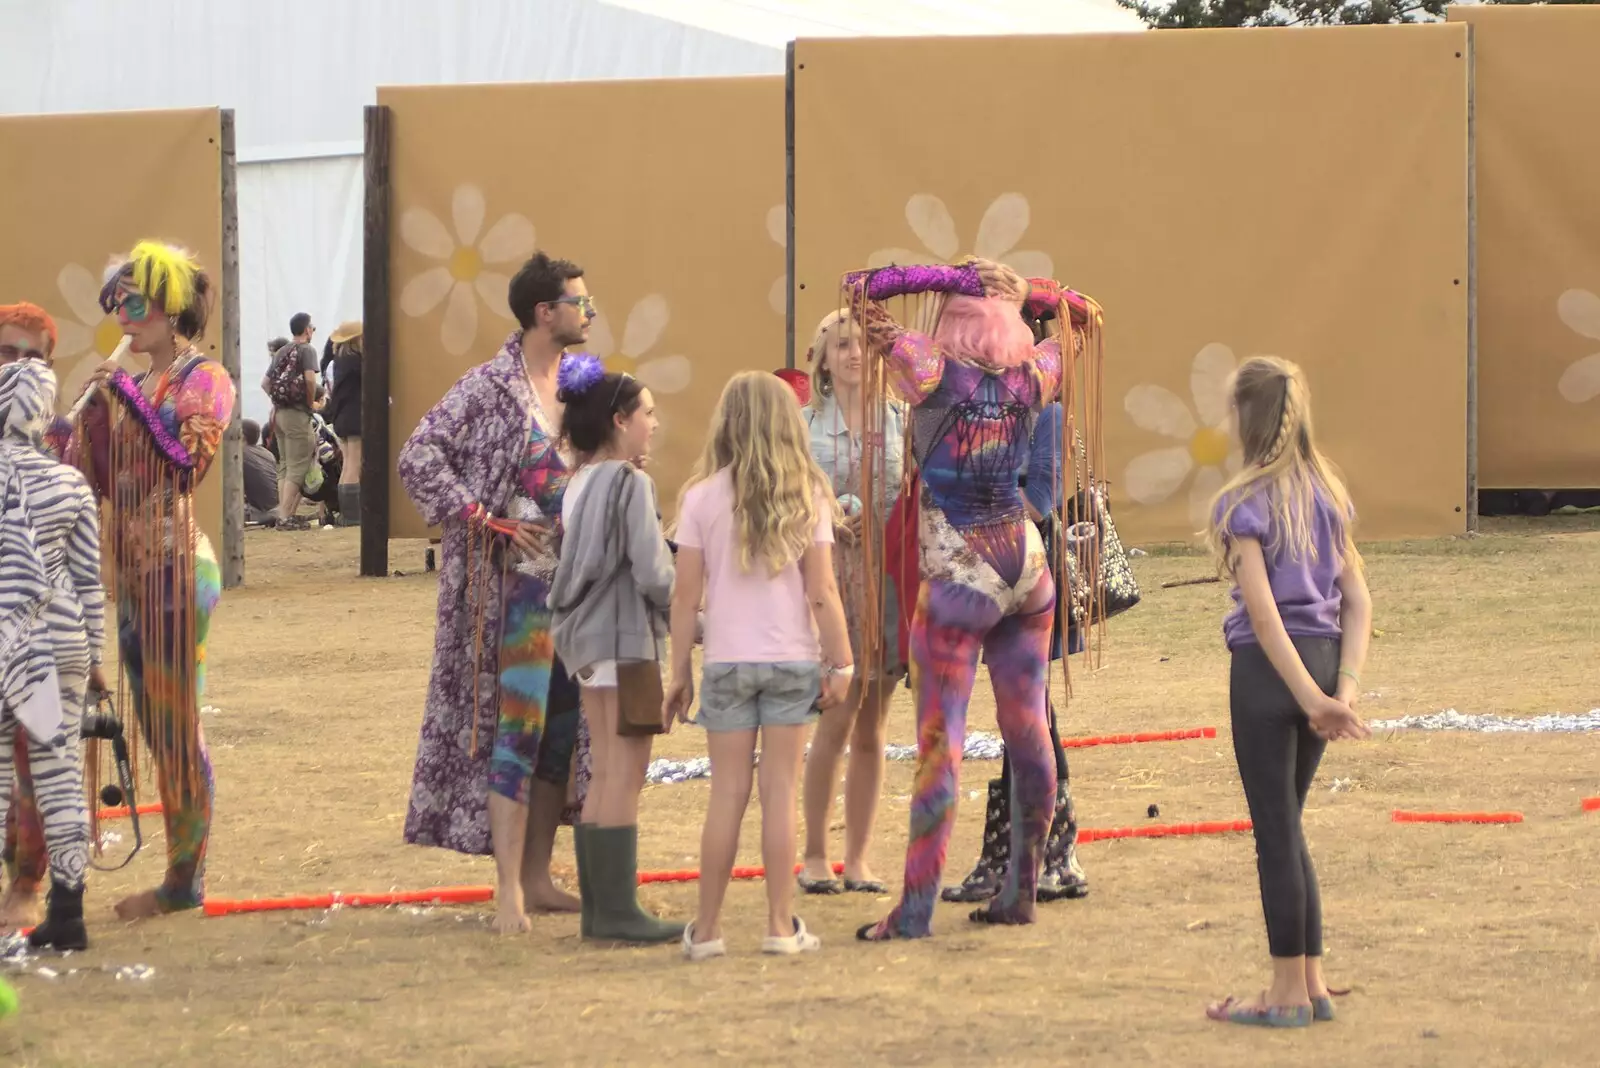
(744, 696)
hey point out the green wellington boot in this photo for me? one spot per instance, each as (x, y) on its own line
(612, 856)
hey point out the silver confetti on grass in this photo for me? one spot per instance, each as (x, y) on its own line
(980, 745)
(1451, 720)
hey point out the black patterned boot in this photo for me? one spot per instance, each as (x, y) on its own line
(1062, 875)
(63, 927)
(990, 871)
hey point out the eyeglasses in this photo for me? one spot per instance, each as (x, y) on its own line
(132, 308)
(583, 304)
(13, 353)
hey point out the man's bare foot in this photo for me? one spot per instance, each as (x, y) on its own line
(19, 910)
(510, 916)
(140, 906)
(544, 895)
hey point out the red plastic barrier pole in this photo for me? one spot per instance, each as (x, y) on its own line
(439, 895)
(1457, 817)
(122, 812)
(1591, 804)
(1168, 830)
(1132, 739)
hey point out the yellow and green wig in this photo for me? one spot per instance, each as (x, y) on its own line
(168, 276)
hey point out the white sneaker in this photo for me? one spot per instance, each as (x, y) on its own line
(802, 941)
(693, 950)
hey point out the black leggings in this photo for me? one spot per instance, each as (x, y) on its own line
(1055, 743)
(1278, 753)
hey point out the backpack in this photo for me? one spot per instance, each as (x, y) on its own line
(286, 381)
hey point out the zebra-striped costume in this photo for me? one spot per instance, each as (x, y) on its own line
(52, 616)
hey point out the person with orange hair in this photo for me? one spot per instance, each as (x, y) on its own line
(27, 332)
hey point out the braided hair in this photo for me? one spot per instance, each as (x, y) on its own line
(1272, 401)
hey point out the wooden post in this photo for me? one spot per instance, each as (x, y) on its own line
(788, 244)
(375, 459)
(1472, 287)
(233, 437)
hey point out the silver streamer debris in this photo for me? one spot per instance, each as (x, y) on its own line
(1451, 720)
(980, 745)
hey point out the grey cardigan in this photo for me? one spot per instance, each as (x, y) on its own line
(613, 586)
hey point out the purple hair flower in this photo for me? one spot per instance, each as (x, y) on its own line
(578, 373)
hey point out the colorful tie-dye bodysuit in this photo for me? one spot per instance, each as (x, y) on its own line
(986, 590)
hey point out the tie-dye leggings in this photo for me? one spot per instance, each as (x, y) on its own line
(953, 624)
(186, 798)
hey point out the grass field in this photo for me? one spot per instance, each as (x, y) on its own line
(1464, 945)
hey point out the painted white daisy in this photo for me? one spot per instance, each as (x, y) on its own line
(1580, 310)
(464, 256)
(647, 322)
(1003, 225)
(87, 337)
(1207, 450)
(778, 230)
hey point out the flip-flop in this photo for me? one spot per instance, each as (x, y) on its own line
(1322, 1008)
(1231, 1011)
(818, 886)
(866, 886)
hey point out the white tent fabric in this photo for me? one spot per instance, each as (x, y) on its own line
(298, 72)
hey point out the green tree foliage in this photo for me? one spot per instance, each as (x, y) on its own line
(1195, 14)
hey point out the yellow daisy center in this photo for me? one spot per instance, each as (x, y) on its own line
(107, 336)
(618, 364)
(1209, 447)
(466, 264)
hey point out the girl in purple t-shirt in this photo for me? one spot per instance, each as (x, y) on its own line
(1298, 632)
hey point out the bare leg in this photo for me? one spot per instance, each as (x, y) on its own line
(782, 749)
(863, 783)
(600, 713)
(508, 830)
(539, 891)
(822, 779)
(732, 773)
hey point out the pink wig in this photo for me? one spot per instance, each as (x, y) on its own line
(984, 330)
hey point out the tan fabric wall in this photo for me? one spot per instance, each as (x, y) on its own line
(1223, 194)
(79, 189)
(1538, 176)
(669, 194)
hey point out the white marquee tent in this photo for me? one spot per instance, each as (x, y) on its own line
(298, 72)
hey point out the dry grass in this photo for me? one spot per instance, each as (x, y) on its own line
(1464, 944)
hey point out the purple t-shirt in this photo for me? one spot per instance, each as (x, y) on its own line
(1306, 590)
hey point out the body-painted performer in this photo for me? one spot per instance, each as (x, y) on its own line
(52, 630)
(974, 380)
(1041, 478)
(27, 332)
(501, 725)
(145, 442)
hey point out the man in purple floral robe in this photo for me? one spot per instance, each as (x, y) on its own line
(464, 463)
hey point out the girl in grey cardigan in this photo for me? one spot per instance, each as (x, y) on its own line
(609, 602)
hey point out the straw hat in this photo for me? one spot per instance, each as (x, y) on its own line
(347, 332)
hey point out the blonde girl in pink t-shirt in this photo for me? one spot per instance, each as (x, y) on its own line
(755, 541)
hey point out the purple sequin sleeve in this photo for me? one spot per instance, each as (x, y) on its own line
(889, 282)
(128, 391)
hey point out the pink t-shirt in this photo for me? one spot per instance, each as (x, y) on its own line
(751, 617)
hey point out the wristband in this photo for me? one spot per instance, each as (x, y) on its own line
(833, 670)
(1351, 675)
